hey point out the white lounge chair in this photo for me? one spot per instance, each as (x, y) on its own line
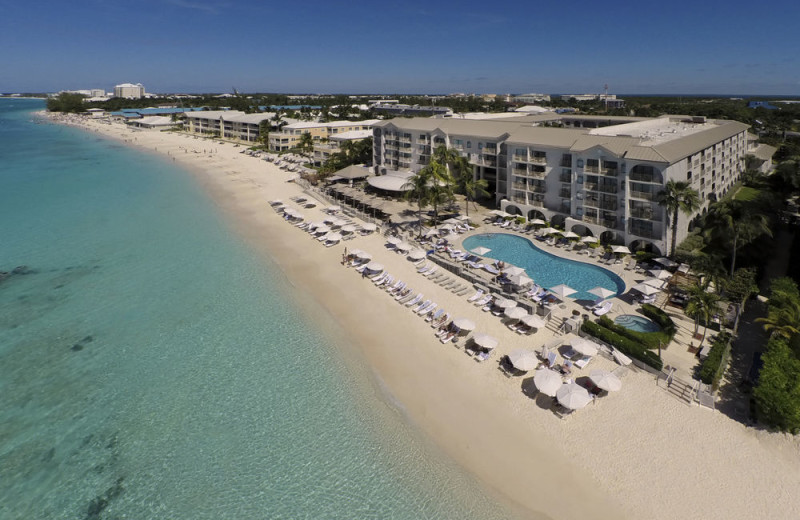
(433, 317)
(415, 308)
(428, 310)
(414, 300)
(475, 296)
(604, 308)
(431, 271)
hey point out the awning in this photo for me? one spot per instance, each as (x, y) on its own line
(389, 183)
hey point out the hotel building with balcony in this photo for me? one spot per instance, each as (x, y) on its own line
(230, 124)
(289, 136)
(594, 175)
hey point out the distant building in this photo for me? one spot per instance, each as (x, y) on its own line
(153, 122)
(323, 151)
(531, 98)
(761, 104)
(229, 124)
(595, 175)
(398, 109)
(762, 152)
(129, 91)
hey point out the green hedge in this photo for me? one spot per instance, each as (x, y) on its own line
(660, 317)
(710, 372)
(626, 345)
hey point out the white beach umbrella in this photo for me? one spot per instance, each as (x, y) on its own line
(333, 209)
(369, 226)
(298, 215)
(430, 232)
(570, 234)
(532, 320)
(601, 292)
(462, 217)
(374, 266)
(520, 280)
(647, 290)
(621, 250)
(464, 324)
(276, 202)
(605, 380)
(661, 274)
(480, 250)
(403, 246)
(453, 221)
(349, 228)
(354, 252)
(337, 222)
(446, 227)
(538, 222)
(363, 255)
(547, 381)
(505, 303)
(321, 229)
(289, 211)
(512, 270)
(485, 341)
(515, 313)
(333, 237)
(573, 396)
(394, 240)
(655, 282)
(500, 213)
(417, 254)
(524, 359)
(666, 262)
(315, 225)
(589, 240)
(583, 346)
(550, 231)
(562, 291)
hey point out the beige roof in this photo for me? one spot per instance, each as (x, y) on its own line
(765, 152)
(683, 147)
(353, 172)
(248, 118)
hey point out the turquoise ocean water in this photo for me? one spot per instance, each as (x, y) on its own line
(153, 366)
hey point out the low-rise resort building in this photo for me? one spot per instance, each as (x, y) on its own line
(593, 175)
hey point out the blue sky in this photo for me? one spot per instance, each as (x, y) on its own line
(356, 46)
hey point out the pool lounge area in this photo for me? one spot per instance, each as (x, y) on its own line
(545, 268)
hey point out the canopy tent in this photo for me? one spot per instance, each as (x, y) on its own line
(601, 292)
(583, 346)
(480, 250)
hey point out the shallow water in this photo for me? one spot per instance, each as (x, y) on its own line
(153, 366)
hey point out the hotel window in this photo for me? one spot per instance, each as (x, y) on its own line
(469, 144)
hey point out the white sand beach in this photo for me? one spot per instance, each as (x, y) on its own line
(637, 453)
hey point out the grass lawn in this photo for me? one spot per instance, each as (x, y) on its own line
(746, 193)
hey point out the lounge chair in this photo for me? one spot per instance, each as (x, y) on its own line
(475, 296)
(483, 301)
(483, 356)
(379, 276)
(596, 304)
(415, 308)
(434, 316)
(431, 271)
(428, 310)
(415, 300)
(603, 308)
(552, 357)
(405, 295)
(439, 324)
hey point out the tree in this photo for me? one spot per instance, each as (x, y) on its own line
(66, 102)
(263, 132)
(735, 223)
(440, 186)
(417, 190)
(306, 144)
(678, 197)
(783, 318)
(777, 394)
(702, 305)
(465, 178)
(740, 286)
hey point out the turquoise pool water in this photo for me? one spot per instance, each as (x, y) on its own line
(637, 323)
(546, 269)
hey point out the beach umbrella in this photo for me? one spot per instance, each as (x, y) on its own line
(601, 292)
(655, 282)
(374, 266)
(369, 226)
(589, 240)
(349, 228)
(485, 341)
(661, 274)
(446, 227)
(315, 225)
(430, 232)
(321, 229)
(512, 270)
(570, 234)
(583, 346)
(403, 246)
(573, 396)
(647, 290)
(453, 221)
(532, 320)
(394, 240)
(547, 381)
(621, 250)
(333, 209)
(562, 291)
(520, 280)
(538, 222)
(605, 380)
(464, 324)
(515, 313)
(363, 255)
(550, 231)
(505, 303)
(289, 211)
(500, 213)
(666, 262)
(524, 359)
(462, 217)
(355, 252)
(337, 222)
(298, 216)
(333, 237)
(480, 250)
(417, 254)
(276, 202)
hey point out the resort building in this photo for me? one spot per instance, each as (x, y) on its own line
(230, 124)
(531, 98)
(593, 175)
(323, 150)
(289, 137)
(129, 91)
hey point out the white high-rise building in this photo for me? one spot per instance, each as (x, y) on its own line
(129, 91)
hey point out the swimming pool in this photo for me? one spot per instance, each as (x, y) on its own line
(546, 269)
(637, 323)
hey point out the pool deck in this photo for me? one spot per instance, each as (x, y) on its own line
(677, 355)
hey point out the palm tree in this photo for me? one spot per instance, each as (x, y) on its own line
(734, 221)
(783, 321)
(678, 196)
(440, 186)
(417, 189)
(464, 174)
(702, 305)
(306, 143)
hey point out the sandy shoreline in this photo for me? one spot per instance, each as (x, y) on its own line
(636, 454)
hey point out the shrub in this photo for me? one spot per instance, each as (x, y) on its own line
(710, 370)
(661, 318)
(777, 394)
(626, 345)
